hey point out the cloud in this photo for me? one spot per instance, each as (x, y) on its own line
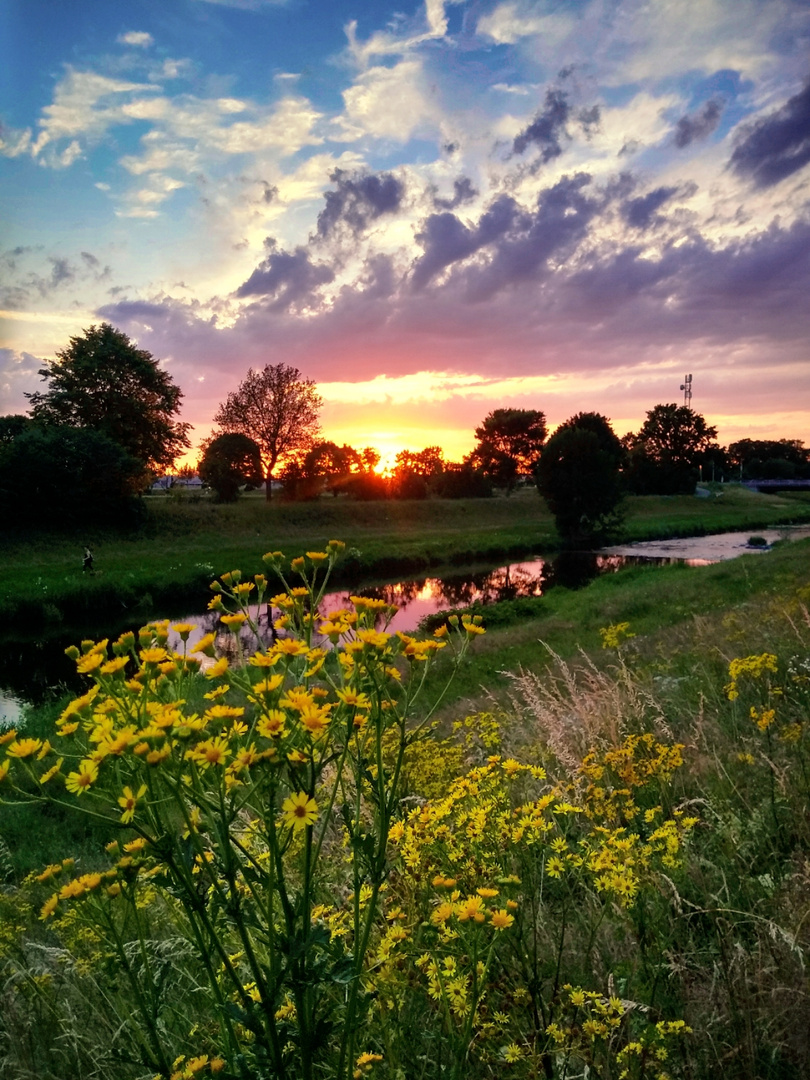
(290, 278)
(86, 104)
(402, 36)
(387, 103)
(700, 124)
(641, 211)
(777, 145)
(463, 192)
(139, 38)
(510, 22)
(549, 126)
(358, 200)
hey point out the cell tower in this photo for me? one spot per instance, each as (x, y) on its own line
(686, 386)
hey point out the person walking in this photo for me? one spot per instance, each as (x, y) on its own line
(87, 561)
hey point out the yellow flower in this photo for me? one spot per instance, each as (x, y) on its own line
(217, 669)
(299, 810)
(51, 773)
(49, 906)
(129, 802)
(79, 782)
(23, 748)
(501, 920)
(471, 908)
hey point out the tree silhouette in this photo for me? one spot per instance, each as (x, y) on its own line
(665, 454)
(579, 477)
(278, 410)
(103, 382)
(228, 462)
(509, 445)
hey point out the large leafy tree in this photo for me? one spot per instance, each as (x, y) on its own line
(55, 475)
(104, 383)
(664, 455)
(276, 408)
(579, 476)
(228, 462)
(509, 445)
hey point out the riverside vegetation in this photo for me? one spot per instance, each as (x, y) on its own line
(305, 864)
(165, 565)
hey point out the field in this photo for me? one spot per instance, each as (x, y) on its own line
(166, 565)
(585, 857)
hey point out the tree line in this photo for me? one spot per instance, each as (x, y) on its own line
(107, 424)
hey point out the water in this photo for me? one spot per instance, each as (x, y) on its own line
(30, 672)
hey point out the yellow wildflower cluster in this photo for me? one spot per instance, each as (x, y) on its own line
(615, 635)
(749, 667)
(593, 1028)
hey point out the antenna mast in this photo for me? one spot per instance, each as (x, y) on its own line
(686, 386)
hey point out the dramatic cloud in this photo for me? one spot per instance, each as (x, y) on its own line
(641, 211)
(291, 279)
(698, 125)
(509, 202)
(778, 145)
(358, 201)
(548, 128)
(463, 192)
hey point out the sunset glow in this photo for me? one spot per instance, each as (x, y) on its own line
(432, 210)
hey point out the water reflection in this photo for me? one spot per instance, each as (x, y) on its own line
(31, 671)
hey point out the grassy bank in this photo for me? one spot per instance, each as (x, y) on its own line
(168, 564)
(650, 880)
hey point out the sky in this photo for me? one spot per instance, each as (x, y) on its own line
(432, 209)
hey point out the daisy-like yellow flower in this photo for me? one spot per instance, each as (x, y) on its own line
(205, 645)
(23, 748)
(8, 736)
(217, 669)
(501, 920)
(4, 767)
(51, 773)
(471, 908)
(271, 725)
(487, 893)
(129, 802)
(210, 752)
(299, 810)
(79, 782)
(89, 662)
(291, 647)
(49, 907)
(155, 655)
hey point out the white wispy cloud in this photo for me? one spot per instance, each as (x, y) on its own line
(139, 38)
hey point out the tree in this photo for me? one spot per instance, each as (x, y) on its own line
(665, 454)
(277, 409)
(228, 462)
(413, 472)
(579, 476)
(58, 475)
(509, 445)
(761, 459)
(102, 382)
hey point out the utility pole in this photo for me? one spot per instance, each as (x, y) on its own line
(686, 386)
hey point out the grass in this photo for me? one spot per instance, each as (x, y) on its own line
(167, 565)
(680, 615)
(722, 941)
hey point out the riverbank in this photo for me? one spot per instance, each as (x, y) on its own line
(167, 566)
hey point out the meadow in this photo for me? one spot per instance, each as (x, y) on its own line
(575, 845)
(165, 565)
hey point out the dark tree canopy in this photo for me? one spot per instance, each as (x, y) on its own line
(56, 475)
(228, 462)
(102, 382)
(665, 454)
(579, 476)
(675, 435)
(277, 409)
(414, 471)
(509, 445)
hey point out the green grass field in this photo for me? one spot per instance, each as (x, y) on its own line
(186, 540)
